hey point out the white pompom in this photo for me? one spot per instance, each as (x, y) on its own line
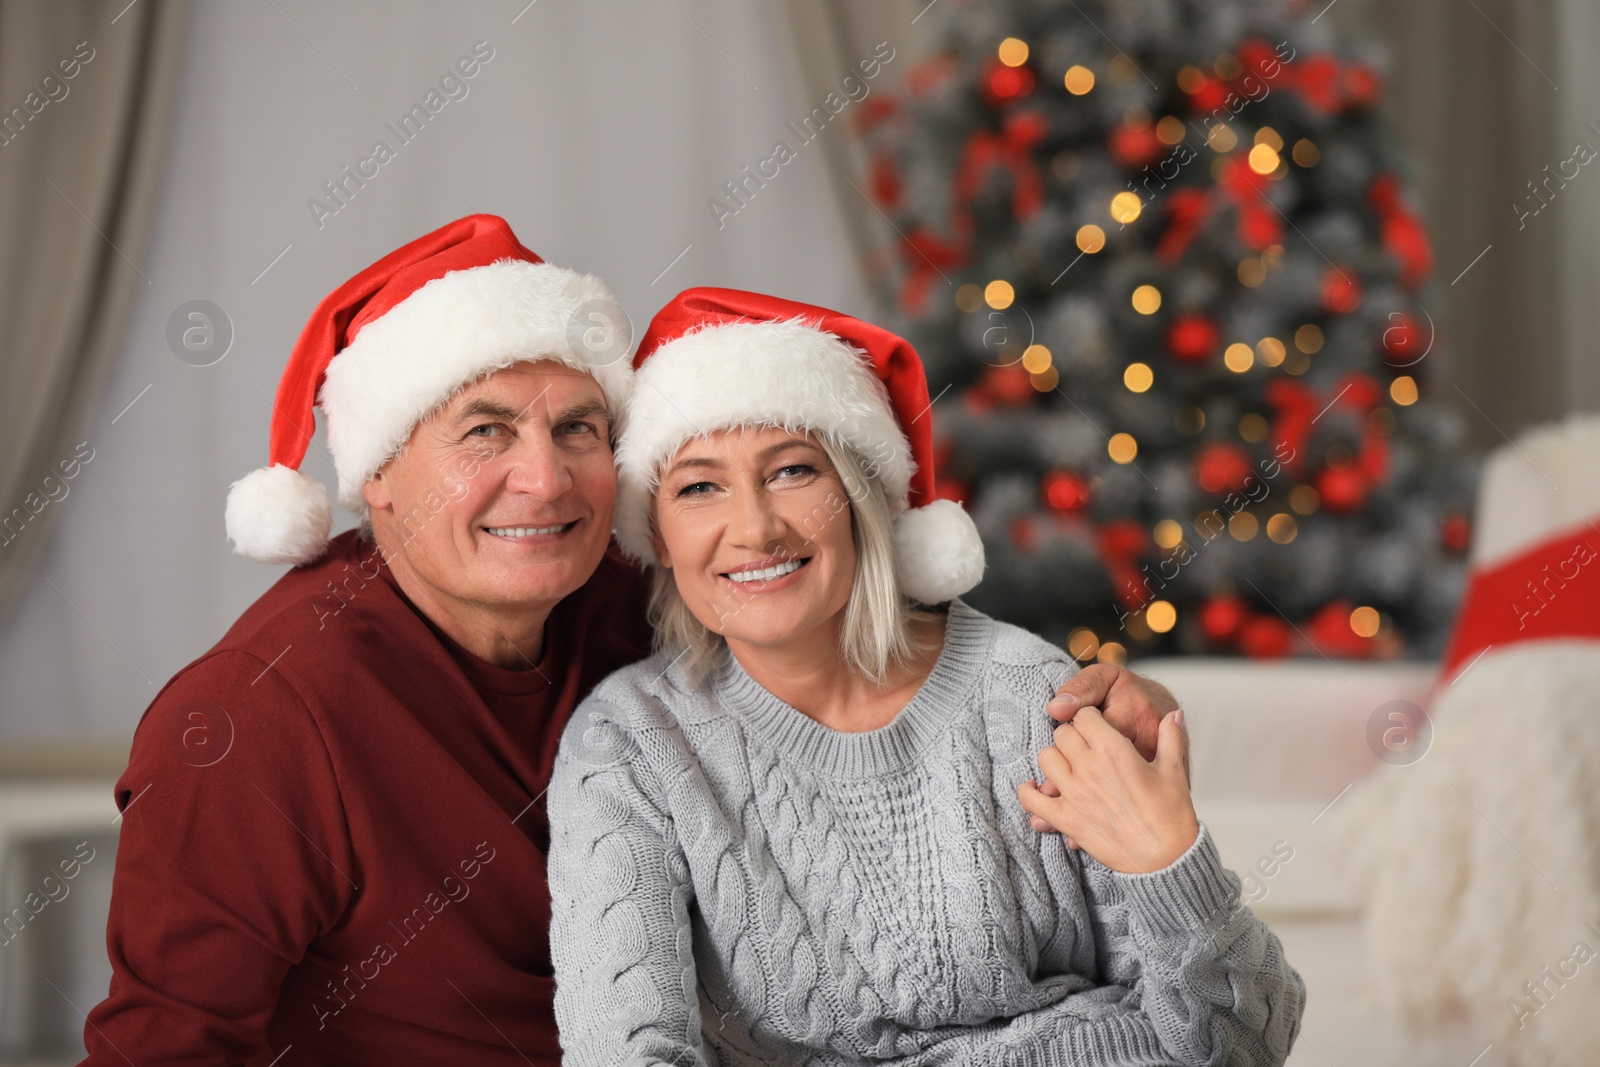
(277, 515)
(938, 554)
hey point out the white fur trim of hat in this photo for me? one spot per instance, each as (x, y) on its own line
(794, 375)
(451, 332)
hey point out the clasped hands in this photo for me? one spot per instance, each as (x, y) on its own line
(1117, 778)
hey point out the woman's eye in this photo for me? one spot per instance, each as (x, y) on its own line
(795, 470)
(695, 489)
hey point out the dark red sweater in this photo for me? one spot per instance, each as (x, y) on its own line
(333, 844)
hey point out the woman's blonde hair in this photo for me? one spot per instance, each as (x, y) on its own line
(877, 635)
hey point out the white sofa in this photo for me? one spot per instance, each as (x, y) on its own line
(53, 963)
(1280, 752)
(1275, 749)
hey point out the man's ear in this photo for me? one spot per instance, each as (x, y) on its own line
(375, 491)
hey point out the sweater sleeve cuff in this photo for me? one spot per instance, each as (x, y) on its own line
(1187, 894)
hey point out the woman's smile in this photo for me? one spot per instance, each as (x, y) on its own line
(763, 576)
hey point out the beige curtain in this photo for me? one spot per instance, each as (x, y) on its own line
(1483, 96)
(831, 37)
(85, 89)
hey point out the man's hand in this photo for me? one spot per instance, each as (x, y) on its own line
(1133, 705)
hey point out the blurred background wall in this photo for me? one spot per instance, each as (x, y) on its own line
(600, 131)
(180, 167)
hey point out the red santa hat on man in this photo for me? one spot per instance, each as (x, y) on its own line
(715, 359)
(390, 346)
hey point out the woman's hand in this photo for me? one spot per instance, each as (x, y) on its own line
(1135, 705)
(1133, 816)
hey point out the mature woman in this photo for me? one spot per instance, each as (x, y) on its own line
(793, 836)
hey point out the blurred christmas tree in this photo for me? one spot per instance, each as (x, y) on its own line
(1158, 257)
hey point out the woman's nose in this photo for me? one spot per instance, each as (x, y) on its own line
(756, 522)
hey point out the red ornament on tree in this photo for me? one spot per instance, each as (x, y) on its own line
(886, 183)
(931, 252)
(1402, 341)
(1002, 84)
(931, 74)
(1341, 293)
(1065, 491)
(1456, 533)
(1403, 233)
(1007, 385)
(1266, 637)
(1187, 210)
(1207, 94)
(1362, 87)
(1258, 56)
(1259, 223)
(1329, 630)
(1025, 128)
(1222, 617)
(875, 111)
(1259, 227)
(1135, 146)
(1317, 78)
(1360, 391)
(1192, 337)
(1343, 489)
(1122, 542)
(1221, 466)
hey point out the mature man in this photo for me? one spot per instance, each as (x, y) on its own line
(333, 842)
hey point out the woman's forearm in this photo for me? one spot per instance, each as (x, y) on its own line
(1211, 976)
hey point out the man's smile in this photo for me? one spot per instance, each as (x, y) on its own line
(516, 533)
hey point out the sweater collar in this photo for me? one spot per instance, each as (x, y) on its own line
(886, 750)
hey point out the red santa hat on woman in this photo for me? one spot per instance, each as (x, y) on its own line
(714, 359)
(390, 346)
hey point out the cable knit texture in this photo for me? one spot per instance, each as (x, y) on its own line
(734, 883)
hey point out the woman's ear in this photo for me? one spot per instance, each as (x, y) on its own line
(659, 546)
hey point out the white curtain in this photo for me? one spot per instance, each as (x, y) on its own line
(599, 129)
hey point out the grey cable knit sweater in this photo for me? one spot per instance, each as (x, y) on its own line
(734, 883)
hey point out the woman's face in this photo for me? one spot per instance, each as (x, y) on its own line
(756, 528)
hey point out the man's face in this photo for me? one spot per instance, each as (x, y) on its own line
(503, 498)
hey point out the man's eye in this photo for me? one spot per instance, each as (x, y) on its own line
(488, 429)
(578, 427)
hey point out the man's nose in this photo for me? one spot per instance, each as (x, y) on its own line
(538, 468)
